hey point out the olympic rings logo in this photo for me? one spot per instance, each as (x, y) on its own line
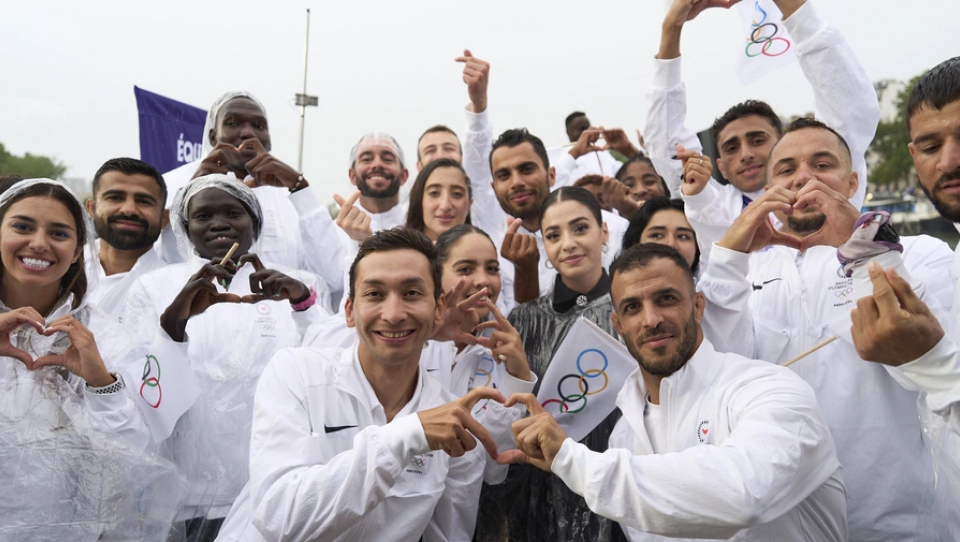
(151, 382)
(567, 400)
(485, 361)
(766, 41)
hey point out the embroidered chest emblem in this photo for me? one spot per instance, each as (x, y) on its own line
(703, 430)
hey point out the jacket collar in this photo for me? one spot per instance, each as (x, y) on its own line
(679, 392)
(350, 379)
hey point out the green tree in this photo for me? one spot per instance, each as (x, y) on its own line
(30, 165)
(893, 162)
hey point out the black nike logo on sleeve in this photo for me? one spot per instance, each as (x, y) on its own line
(762, 284)
(333, 429)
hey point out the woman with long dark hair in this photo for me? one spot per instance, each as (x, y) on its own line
(440, 198)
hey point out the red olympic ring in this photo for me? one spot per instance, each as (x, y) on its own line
(766, 46)
(152, 382)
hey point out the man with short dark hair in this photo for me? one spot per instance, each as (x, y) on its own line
(438, 142)
(773, 294)
(746, 133)
(346, 443)
(894, 311)
(710, 445)
(128, 212)
(598, 161)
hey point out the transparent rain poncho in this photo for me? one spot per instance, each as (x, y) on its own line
(211, 122)
(377, 139)
(72, 464)
(228, 346)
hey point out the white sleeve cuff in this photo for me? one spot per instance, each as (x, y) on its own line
(666, 73)
(106, 402)
(570, 465)
(478, 122)
(306, 201)
(804, 23)
(405, 438)
(698, 202)
(726, 264)
(938, 370)
(511, 384)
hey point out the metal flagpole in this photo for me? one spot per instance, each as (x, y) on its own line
(304, 100)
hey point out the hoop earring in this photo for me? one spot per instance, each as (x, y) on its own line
(548, 264)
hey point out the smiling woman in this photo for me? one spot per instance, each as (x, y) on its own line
(65, 420)
(440, 198)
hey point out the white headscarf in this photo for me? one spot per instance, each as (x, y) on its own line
(229, 184)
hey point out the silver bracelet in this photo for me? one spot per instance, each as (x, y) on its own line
(109, 388)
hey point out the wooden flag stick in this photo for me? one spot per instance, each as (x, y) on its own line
(797, 358)
(234, 249)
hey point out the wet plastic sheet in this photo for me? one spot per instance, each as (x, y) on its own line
(65, 477)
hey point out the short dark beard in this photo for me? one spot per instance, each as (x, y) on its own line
(390, 191)
(122, 240)
(688, 341)
(946, 210)
(808, 224)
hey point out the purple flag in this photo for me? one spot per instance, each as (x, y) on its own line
(171, 132)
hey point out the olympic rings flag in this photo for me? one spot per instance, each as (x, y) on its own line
(766, 45)
(581, 385)
(163, 386)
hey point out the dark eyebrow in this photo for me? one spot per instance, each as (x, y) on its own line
(923, 138)
(34, 221)
(463, 261)
(756, 133)
(825, 154)
(786, 160)
(114, 191)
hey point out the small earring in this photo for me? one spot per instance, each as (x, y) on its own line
(605, 248)
(549, 266)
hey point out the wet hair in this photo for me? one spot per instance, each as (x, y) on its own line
(745, 109)
(6, 181)
(131, 166)
(415, 218)
(622, 172)
(642, 219)
(806, 123)
(936, 88)
(449, 240)
(573, 116)
(642, 255)
(589, 180)
(74, 281)
(572, 193)
(440, 128)
(518, 136)
(398, 238)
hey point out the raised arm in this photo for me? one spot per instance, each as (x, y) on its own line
(846, 103)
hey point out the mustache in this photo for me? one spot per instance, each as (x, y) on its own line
(661, 329)
(950, 177)
(118, 218)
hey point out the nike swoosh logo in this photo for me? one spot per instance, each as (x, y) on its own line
(333, 429)
(761, 285)
(432, 370)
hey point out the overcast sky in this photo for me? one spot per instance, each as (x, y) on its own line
(68, 68)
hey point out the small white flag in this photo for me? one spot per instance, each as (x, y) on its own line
(581, 385)
(766, 45)
(164, 386)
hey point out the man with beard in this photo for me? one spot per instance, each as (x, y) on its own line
(127, 209)
(881, 321)
(745, 133)
(710, 445)
(773, 294)
(377, 170)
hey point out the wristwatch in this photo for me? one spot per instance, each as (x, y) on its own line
(109, 388)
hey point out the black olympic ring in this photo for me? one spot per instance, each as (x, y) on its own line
(582, 384)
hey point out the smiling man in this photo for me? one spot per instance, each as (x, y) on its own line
(347, 443)
(747, 436)
(772, 294)
(746, 132)
(127, 209)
